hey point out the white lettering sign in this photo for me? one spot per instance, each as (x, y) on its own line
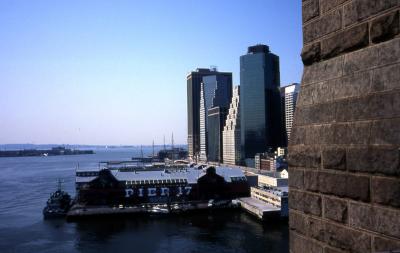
(187, 190)
(129, 192)
(153, 191)
(140, 192)
(164, 191)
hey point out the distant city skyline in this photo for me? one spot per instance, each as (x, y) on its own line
(114, 73)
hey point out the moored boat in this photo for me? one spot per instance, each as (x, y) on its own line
(58, 204)
(159, 210)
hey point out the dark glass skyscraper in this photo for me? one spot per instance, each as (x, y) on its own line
(216, 93)
(194, 80)
(260, 103)
(216, 120)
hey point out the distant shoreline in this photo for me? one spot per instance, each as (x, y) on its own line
(55, 151)
(14, 147)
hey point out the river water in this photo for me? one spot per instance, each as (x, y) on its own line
(26, 183)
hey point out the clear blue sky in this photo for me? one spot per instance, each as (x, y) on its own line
(114, 72)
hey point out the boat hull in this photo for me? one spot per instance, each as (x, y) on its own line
(53, 214)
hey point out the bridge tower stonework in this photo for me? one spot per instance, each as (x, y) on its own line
(344, 158)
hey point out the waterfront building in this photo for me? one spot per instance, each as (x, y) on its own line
(231, 132)
(277, 197)
(260, 102)
(291, 93)
(122, 184)
(272, 189)
(194, 80)
(215, 96)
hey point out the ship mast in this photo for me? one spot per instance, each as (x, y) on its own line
(164, 142)
(59, 184)
(152, 157)
(165, 152)
(172, 147)
(141, 154)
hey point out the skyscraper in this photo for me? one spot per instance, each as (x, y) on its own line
(260, 103)
(283, 120)
(216, 120)
(291, 93)
(194, 79)
(231, 132)
(216, 92)
(203, 118)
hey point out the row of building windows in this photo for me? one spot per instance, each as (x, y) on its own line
(157, 181)
(266, 196)
(87, 174)
(238, 179)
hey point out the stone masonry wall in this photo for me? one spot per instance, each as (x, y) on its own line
(344, 153)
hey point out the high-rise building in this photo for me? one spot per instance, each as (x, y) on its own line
(215, 91)
(203, 130)
(282, 95)
(216, 119)
(231, 132)
(260, 102)
(194, 80)
(291, 93)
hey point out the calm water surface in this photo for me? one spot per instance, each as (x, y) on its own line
(26, 183)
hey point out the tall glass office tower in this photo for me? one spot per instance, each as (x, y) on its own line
(216, 120)
(194, 80)
(216, 93)
(260, 103)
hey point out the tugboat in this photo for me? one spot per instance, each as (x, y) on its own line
(58, 204)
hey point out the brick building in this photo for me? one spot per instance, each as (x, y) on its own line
(264, 161)
(344, 159)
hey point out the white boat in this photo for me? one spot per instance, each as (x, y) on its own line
(158, 210)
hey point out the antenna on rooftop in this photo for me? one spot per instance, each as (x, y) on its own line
(59, 184)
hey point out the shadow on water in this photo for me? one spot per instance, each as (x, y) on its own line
(231, 231)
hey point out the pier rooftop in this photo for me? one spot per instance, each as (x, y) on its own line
(136, 174)
(260, 209)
